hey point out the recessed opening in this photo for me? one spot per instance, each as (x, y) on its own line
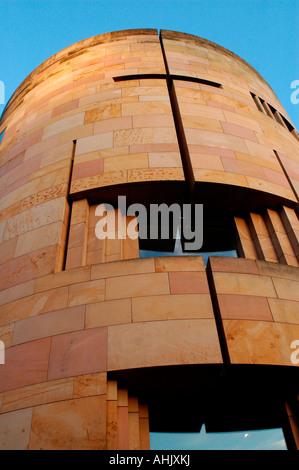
(257, 102)
(254, 439)
(141, 76)
(212, 236)
(144, 76)
(208, 412)
(268, 109)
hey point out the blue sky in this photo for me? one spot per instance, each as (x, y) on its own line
(269, 439)
(263, 32)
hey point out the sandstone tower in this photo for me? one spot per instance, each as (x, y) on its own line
(107, 340)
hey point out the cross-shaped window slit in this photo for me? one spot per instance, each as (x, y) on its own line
(186, 161)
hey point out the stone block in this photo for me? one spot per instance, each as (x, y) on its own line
(286, 288)
(113, 124)
(194, 109)
(86, 292)
(65, 107)
(7, 250)
(110, 312)
(77, 235)
(285, 311)
(123, 268)
(134, 433)
(244, 284)
(25, 364)
(262, 162)
(259, 342)
(233, 265)
(94, 142)
(269, 187)
(277, 270)
(171, 307)
(125, 162)
(221, 177)
(88, 168)
(6, 334)
(90, 385)
(207, 150)
(164, 159)
(30, 266)
(111, 427)
(137, 285)
(60, 432)
(146, 108)
(153, 120)
(78, 353)
(41, 237)
(182, 263)
(37, 394)
(188, 283)
(75, 257)
(63, 278)
(97, 181)
(122, 428)
(242, 120)
(64, 124)
(155, 174)
(32, 305)
(163, 135)
(244, 307)
(49, 324)
(223, 106)
(206, 161)
(103, 111)
(15, 429)
(174, 342)
(39, 215)
(242, 167)
(239, 131)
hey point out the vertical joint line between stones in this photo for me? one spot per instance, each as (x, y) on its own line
(71, 169)
(69, 202)
(217, 314)
(286, 174)
(181, 137)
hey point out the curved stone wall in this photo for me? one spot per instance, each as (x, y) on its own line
(155, 118)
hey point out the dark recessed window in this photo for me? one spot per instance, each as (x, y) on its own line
(217, 240)
(257, 102)
(222, 416)
(268, 109)
(261, 439)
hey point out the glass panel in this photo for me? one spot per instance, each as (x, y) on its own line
(217, 241)
(264, 439)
